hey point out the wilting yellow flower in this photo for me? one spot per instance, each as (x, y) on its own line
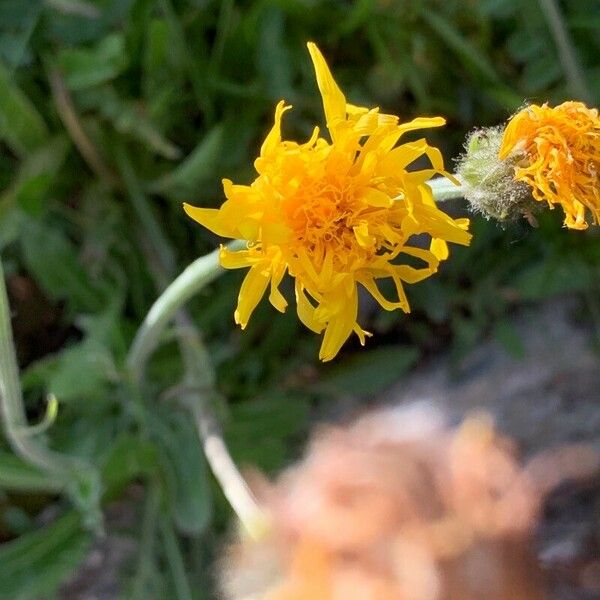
(334, 215)
(560, 149)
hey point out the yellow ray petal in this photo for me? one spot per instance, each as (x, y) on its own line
(273, 138)
(306, 311)
(276, 298)
(211, 218)
(371, 286)
(339, 327)
(421, 123)
(334, 101)
(252, 290)
(377, 198)
(239, 259)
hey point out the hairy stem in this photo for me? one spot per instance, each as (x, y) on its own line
(443, 189)
(192, 280)
(199, 374)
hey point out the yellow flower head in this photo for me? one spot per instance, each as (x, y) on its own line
(560, 157)
(334, 214)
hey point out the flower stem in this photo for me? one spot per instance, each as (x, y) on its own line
(74, 475)
(201, 377)
(196, 276)
(11, 400)
(198, 373)
(443, 189)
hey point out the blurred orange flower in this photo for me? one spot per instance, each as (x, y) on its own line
(396, 507)
(335, 214)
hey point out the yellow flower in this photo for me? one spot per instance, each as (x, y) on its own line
(560, 157)
(334, 214)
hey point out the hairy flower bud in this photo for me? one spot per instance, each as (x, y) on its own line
(488, 183)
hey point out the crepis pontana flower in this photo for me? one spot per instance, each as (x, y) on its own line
(558, 154)
(335, 214)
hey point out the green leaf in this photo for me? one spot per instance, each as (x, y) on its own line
(17, 475)
(273, 60)
(547, 278)
(87, 67)
(259, 432)
(35, 564)
(541, 72)
(129, 458)
(81, 372)
(467, 331)
(21, 125)
(369, 372)
(460, 45)
(75, 7)
(186, 473)
(36, 175)
(17, 23)
(187, 178)
(52, 260)
(130, 119)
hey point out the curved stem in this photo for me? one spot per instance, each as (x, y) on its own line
(11, 401)
(196, 276)
(80, 479)
(199, 373)
(233, 485)
(201, 377)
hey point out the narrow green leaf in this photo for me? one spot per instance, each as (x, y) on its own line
(272, 56)
(17, 475)
(35, 564)
(82, 372)
(129, 458)
(369, 372)
(260, 432)
(551, 277)
(508, 335)
(129, 119)
(86, 67)
(21, 125)
(17, 23)
(36, 175)
(52, 260)
(75, 7)
(187, 477)
(187, 178)
(459, 44)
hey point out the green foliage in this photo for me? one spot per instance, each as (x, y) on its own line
(369, 373)
(37, 562)
(113, 112)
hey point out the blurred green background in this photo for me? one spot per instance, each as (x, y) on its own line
(112, 113)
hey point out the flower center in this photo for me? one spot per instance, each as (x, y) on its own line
(322, 215)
